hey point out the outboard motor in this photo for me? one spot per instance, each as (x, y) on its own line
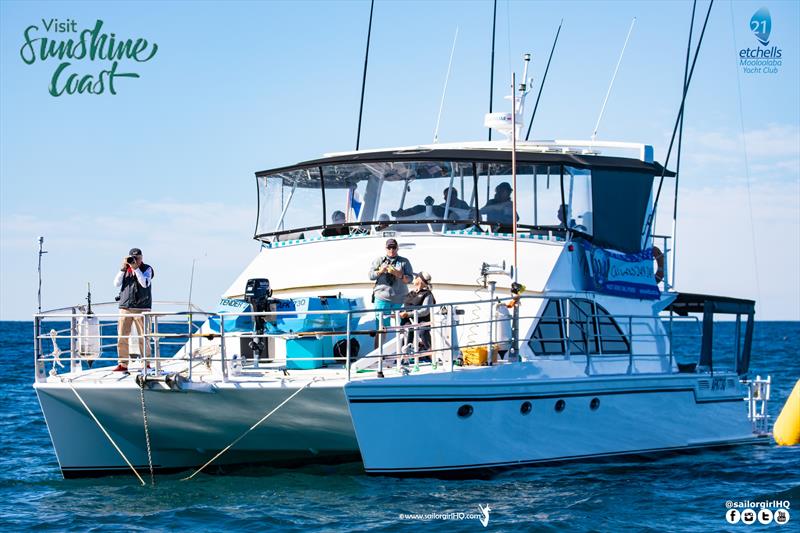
(258, 294)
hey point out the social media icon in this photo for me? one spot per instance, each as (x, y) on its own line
(781, 516)
(733, 516)
(765, 516)
(748, 516)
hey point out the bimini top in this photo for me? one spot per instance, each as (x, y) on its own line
(540, 152)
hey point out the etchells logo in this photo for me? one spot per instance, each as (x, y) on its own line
(763, 59)
(88, 60)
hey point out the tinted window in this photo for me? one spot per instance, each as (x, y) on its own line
(591, 328)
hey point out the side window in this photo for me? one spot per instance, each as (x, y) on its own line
(548, 337)
(591, 329)
(611, 336)
(582, 331)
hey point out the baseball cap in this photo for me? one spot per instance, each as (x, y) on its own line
(135, 251)
(391, 243)
(503, 185)
(424, 276)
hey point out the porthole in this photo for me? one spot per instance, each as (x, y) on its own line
(594, 404)
(560, 405)
(525, 408)
(465, 411)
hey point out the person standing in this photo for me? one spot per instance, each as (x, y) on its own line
(134, 281)
(391, 274)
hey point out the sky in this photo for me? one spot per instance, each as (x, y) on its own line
(167, 163)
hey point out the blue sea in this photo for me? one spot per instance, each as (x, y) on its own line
(671, 493)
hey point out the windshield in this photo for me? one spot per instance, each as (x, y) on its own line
(422, 196)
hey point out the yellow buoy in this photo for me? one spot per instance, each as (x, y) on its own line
(786, 430)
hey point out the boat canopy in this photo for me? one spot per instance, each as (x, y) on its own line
(605, 199)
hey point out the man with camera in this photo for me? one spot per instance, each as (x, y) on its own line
(133, 281)
(391, 274)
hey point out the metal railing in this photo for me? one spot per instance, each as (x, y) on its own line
(455, 340)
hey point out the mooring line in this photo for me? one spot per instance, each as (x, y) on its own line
(106, 434)
(254, 426)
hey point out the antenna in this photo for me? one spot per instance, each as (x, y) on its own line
(610, 85)
(364, 78)
(446, 79)
(89, 299)
(191, 284)
(491, 72)
(541, 86)
(649, 224)
(41, 253)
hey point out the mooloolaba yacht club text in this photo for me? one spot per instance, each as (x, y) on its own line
(90, 44)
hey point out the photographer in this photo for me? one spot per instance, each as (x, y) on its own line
(134, 282)
(391, 274)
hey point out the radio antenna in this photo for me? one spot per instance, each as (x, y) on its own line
(491, 71)
(541, 86)
(364, 77)
(610, 85)
(446, 79)
(41, 253)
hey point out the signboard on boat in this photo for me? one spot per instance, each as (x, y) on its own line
(621, 274)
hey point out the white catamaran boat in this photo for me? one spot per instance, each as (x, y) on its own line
(554, 336)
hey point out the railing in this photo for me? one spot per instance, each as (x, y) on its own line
(457, 341)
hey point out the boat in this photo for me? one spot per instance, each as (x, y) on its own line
(556, 333)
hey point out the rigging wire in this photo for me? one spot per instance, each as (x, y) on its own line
(649, 225)
(364, 77)
(491, 71)
(444, 91)
(541, 85)
(678, 157)
(746, 161)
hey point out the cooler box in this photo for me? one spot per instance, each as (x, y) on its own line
(478, 355)
(299, 352)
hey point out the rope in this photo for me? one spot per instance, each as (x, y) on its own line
(147, 433)
(106, 434)
(254, 426)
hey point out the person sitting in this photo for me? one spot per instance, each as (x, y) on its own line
(499, 210)
(455, 202)
(337, 217)
(426, 210)
(420, 298)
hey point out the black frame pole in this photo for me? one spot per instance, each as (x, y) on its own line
(678, 156)
(364, 78)
(541, 85)
(491, 71)
(648, 228)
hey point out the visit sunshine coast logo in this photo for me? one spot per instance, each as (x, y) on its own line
(89, 61)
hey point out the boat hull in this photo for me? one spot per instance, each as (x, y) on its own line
(483, 423)
(187, 428)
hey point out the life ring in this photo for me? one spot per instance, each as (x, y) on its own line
(658, 255)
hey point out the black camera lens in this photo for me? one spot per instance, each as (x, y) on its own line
(130, 260)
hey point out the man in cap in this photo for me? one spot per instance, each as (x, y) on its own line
(134, 281)
(391, 274)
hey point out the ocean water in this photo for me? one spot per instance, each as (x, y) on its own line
(685, 492)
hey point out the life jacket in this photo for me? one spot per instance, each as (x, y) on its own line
(134, 296)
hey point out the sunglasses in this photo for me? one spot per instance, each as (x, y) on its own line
(391, 247)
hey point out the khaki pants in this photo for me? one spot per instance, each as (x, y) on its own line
(130, 317)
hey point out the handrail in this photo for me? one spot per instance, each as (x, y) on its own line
(638, 327)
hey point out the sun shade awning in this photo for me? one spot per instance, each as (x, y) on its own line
(479, 156)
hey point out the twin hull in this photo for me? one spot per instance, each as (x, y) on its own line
(403, 424)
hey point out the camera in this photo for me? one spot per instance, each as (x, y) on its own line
(130, 260)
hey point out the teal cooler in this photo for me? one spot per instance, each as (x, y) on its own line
(299, 352)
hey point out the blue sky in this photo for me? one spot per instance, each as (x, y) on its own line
(167, 164)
